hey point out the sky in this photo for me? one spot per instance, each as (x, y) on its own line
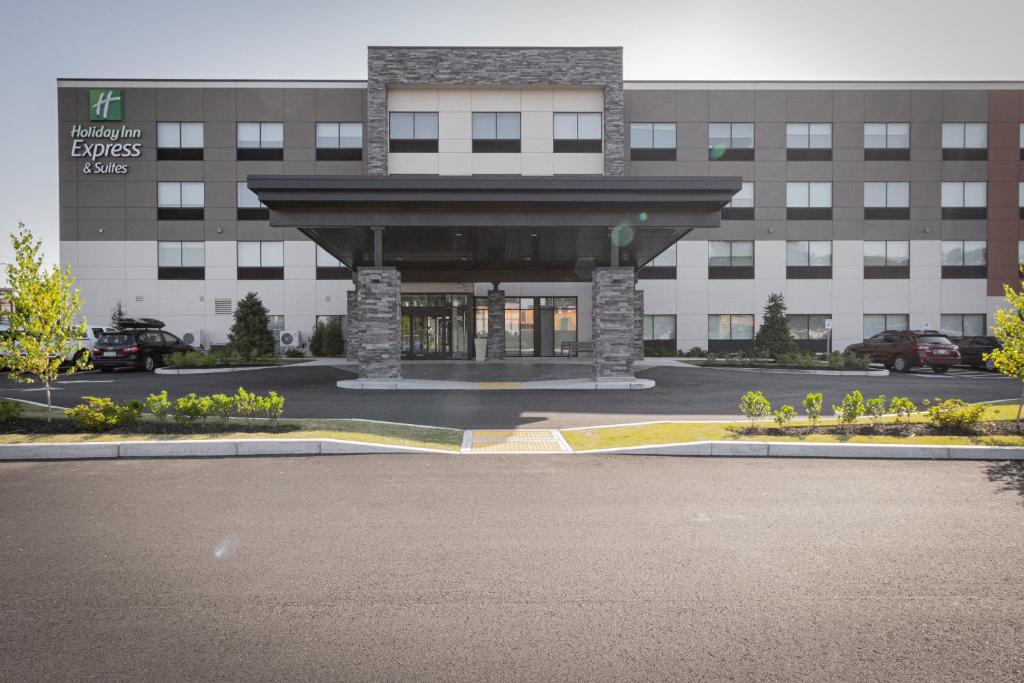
(662, 40)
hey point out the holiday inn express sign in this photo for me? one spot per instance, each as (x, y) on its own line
(96, 144)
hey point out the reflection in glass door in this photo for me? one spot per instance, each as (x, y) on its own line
(535, 326)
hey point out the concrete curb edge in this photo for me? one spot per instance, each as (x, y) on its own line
(782, 449)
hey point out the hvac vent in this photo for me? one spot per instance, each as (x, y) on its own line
(327, 298)
(222, 306)
(139, 298)
(202, 298)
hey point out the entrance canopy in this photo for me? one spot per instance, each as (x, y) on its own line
(480, 228)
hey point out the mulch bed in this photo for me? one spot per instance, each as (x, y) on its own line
(32, 426)
(1001, 428)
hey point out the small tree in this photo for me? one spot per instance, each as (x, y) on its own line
(44, 306)
(754, 406)
(1009, 330)
(250, 336)
(116, 315)
(327, 340)
(773, 338)
(812, 406)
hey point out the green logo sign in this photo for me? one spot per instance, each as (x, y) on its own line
(106, 105)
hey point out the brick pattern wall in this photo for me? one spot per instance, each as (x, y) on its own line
(380, 323)
(614, 322)
(495, 324)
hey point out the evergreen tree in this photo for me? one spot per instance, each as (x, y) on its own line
(250, 337)
(116, 314)
(327, 340)
(774, 338)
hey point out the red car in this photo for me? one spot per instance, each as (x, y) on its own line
(902, 350)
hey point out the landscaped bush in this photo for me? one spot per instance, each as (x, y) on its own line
(100, 414)
(250, 337)
(10, 410)
(850, 408)
(954, 414)
(784, 415)
(902, 407)
(250, 405)
(221, 406)
(695, 352)
(856, 361)
(801, 360)
(294, 353)
(159, 406)
(191, 408)
(211, 359)
(875, 409)
(327, 340)
(812, 406)
(754, 405)
(774, 338)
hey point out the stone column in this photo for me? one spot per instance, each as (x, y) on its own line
(638, 325)
(495, 324)
(352, 327)
(378, 300)
(614, 311)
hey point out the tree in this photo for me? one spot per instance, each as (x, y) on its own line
(250, 337)
(44, 306)
(116, 315)
(1008, 358)
(327, 340)
(774, 339)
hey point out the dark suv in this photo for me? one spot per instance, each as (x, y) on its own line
(135, 344)
(902, 350)
(973, 350)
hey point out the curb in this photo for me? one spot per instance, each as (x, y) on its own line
(217, 371)
(778, 449)
(797, 371)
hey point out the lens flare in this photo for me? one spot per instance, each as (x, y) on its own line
(227, 547)
(717, 151)
(643, 216)
(622, 235)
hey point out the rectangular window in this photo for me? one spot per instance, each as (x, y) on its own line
(260, 141)
(1020, 142)
(181, 260)
(1020, 199)
(260, 260)
(809, 141)
(413, 132)
(330, 268)
(809, 201)
(809, 327)
(876, 323)
(578, 132)
(179, 141)
(808, 259)
(179, 201)
(732, 260)
(964, 259)
(731, 141)
(962, 324)
(886, 141)
(339, 141)
(730, 327)
(662, 267)
(497, 132)
(250, 208)
(741, 206)
(652, 141)
(965, 141)
(659, 327)
(888, 200)
(964, 200)
(886, 259)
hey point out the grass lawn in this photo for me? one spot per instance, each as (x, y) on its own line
(676, 432)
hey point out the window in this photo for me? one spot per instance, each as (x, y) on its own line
(887, 259)
(1020, 199)
(809, 327)
(809, 141)
(876, 323)
(1020, 136)
(730, 327)
(179, 141)
(965, 141)
(260, 142)
(250, 208)
(328, 267)
(662, 267)
(577, 132)
(260, 260)
(652, 141)
(413, 132)
(964, 259)
(731, 141)
(962, 324)
(964, 200)
(730, 260)
(181, 260)
(659, 327)
(179, 201)
(886, 141)
(889, 200)
(339, 141)
(808, 259)
(741, 206)
(497, 132)
(275, 323)
(809, 201)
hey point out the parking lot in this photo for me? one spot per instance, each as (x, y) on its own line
(681, 393)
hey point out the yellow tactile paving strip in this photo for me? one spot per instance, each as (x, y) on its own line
(497, 386)
(514, 441)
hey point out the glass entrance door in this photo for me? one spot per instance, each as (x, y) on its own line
(427, 333)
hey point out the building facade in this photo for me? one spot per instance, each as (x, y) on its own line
(870, 206)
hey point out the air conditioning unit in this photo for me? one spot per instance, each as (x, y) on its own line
(289, 339)
(193, 338)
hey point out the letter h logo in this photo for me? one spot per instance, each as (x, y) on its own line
(106, 105)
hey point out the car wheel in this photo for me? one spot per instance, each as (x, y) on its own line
(106, 368)
(148, 363)
(939, 369)
(899, 364)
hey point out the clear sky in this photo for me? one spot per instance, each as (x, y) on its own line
(41, 40)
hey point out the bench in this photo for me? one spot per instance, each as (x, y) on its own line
(573, 348)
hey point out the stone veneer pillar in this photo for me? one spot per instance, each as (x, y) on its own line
(495, 324)
(378, 300)
(614, 311)
(351, 331)
(638, 325)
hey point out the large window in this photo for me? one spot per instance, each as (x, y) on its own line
(659, 327)
(808, 327)
(181, 260)
(662, 267)
(886, 259)
(497, 132)
(413, 132)
(731, 141)
(534, 326)
(733, 326)
(886, 141)
(260, 260)
(875, 323)
(965, 200)
(577, 132)
(888, 200)
(1020, 199)
(809, 141)
(809, 201)
(965, 141)
(339, 141)
(179, 141)
(250, 208)
(260, 141)
(330, 268)
(808, 259)
(730, 260)
(179, 200)
(964, 259)
(962, 324)
(741, 206)
(652, 141)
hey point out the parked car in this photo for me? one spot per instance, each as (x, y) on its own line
(136, 343)
(72, 355)
(902, 350)
(973, 350)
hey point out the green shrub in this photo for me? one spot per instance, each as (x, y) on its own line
(246, 404)
(190, 409)
(902, 407)
(784, 415)
(192, 359)
(797, 360)
(10, 410)
(850, 408)
(327, 340)
(774, 338)
(129, 413)
(294, 353)
(272, 406)
(158, 405)
(856, 361)
(812, 406)
(836, 361)
(96, 414)
(875, 409)
(754, 405)
(250, 337)
(221, 406)
(695, 352)
(954, 414)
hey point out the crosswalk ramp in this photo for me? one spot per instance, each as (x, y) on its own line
(514, 441)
